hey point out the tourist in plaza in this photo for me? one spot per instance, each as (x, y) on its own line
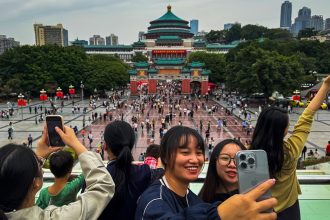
(30, 139)
(219, 124)
(152, 155)
(10, 131)
(182, 155)
(270, 130)
(62, 192)
(207, 135)
(310, 154)
(131, 180)
(316, 154)
(303, 154)
(221, 179)
(20, 182)
(210, 147)
(90, 138)
(327, 152)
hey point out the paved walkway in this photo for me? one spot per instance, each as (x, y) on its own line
(318, 137)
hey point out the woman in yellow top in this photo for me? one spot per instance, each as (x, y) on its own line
(283, 155)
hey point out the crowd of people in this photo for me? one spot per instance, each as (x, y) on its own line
(158, 188)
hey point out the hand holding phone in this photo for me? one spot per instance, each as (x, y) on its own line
(252, 169)
(54, 138)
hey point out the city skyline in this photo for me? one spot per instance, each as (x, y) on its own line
(126, 18)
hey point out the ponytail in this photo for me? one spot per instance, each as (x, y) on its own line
(120, 138)
(124, 159)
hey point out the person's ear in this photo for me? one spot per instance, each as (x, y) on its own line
(37, 184)
(106, 147)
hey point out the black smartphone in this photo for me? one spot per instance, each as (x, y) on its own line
(252, 170)
(53, 121)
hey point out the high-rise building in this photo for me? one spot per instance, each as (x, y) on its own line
(111, 40)
(194, 26)
(96, 40)
(141, 35)
(7, 43)
(303, 21)
(227, 26)
(286, 14)
(327, 24)
(317, 23)
(51, 35)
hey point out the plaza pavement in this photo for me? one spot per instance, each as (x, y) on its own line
(318, 137)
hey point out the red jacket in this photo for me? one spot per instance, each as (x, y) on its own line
(328, 149)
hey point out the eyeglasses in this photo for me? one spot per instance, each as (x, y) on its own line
(225, 159)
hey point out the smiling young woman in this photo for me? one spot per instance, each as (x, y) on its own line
(182, 155)
(221, 180)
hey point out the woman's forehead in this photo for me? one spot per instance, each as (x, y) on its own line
(188, 140)
(230, 148)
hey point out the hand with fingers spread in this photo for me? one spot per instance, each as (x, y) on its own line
(245, 206)
(69, 138)
(43, 150)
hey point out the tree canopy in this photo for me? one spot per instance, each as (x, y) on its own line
(32, 68)
(214, 62)
(247, 32)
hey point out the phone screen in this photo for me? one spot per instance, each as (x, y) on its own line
(53, 137)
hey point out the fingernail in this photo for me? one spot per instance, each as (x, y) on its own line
(274, 181)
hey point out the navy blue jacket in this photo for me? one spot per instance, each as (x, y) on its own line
(122, 206)
(159, 202)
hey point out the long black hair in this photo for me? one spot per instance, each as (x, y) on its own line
(268, 135)
(18, 168)
(212, 181)
(120, 138)
(177, 137)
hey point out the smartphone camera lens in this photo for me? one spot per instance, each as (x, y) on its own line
(251, 160)
(242, 157)
(243, 165)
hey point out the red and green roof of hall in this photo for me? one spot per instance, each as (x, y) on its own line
(169, 25)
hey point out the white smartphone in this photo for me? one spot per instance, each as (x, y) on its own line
(252, 169)
(53, 121)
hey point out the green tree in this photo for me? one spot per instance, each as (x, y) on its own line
(256, 70)
(139, 57)
(307, 32)
(278, 34)
(234, 33)
(216, 36)
(32, 68)
(252, 32)
(214, 62)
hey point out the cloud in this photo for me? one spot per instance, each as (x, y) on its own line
(22, 9)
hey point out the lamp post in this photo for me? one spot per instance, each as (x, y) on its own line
(71, 90)
(59, 93)
(43, 96)
(21, 102)
(95, 92)
(82, 101)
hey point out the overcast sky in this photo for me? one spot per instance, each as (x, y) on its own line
(125, 18)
